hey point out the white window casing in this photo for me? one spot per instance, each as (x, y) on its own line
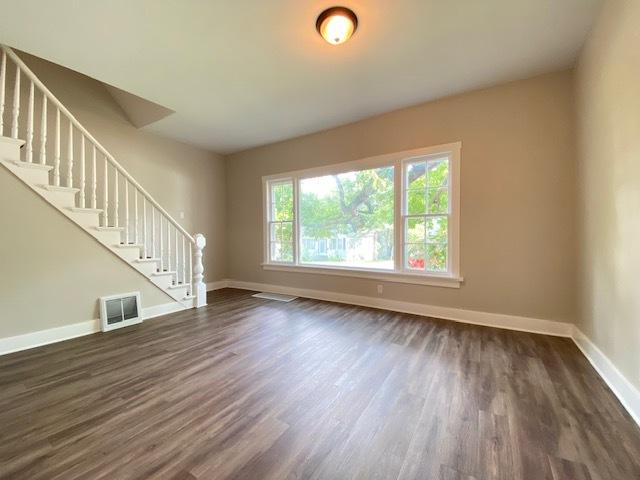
(402, 272)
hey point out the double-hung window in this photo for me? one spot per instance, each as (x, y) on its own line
(394, 217)
(280, 221)
(426, 214)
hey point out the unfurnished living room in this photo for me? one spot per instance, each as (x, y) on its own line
(306, 239)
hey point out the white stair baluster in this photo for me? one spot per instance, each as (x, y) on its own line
(94, 180)
(177, 259)
(116, 200)
(16, 105)
(56, 155)
(184, 269)
(153, 233)
(3, 81)
(43, 131)
(135, 217)
(29, 152)
(144, 227)
(70, 156)
(168, 245)
(126, 211)
(82, 174)
(199, 288)
(191, 247)
(105, 206)
(161, 245)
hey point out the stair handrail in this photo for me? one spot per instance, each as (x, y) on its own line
(32, 76)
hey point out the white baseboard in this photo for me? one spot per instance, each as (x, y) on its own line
(498, 320)
(74, 330)
(621, 387)
(45, 337)
(163, 309)
(217, 285)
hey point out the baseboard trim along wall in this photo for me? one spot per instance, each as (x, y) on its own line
(74, 330)
(622, 388)
(498, 320)
(217, 285)
(162, 309)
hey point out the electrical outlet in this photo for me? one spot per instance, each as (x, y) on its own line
(181, 214)
(380, 289)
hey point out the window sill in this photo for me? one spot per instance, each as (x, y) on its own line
(432, 280)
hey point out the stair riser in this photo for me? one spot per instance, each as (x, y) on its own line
(9, 151)
(62, 199)
(147, 268)
(109, 238)
(129, 254)
(180, 292)
(29, 175)
(188, 303)
(163, 281)
(87, 220)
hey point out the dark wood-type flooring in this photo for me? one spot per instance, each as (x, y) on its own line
(256, 389)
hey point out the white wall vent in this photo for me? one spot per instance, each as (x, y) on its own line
(117, 311)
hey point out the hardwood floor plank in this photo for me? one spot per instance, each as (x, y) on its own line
(248, 388)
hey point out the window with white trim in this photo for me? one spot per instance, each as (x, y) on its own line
(280, 221)
(357, 205)
(393, 217)
(425, 215)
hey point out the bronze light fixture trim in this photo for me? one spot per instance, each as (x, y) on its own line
(337, 24)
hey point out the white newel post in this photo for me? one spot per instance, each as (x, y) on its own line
(200, 289)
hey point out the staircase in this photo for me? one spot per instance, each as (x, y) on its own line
(44, 145)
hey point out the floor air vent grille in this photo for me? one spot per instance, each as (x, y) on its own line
(274, 296)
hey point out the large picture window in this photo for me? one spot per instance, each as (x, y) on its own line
(393, 217)
(347, 219)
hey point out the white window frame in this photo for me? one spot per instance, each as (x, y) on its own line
(268, 220)
(400, 274)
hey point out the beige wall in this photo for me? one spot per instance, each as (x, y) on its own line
(517, 187)
(52, 272)
(608, 112)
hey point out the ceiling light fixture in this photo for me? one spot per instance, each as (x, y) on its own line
(337, 24)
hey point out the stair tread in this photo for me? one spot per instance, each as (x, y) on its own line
(129, 245)
(110, 229)
(179, 285)
(85, 210)
(143, 260)
(37, 166)
(164, 272)
(54, 188)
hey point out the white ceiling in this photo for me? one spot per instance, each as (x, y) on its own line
(241, 73)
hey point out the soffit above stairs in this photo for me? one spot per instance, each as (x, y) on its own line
(139, 111)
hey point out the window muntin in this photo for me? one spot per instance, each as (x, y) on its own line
(426, 214)
(347, 219)
(424, 219)
(281, 221)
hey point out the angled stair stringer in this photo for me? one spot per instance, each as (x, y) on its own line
(63, 199)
